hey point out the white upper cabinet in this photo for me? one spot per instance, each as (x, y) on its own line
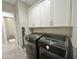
(60, 12)
(45, 13)
(30, 18)
(50, 13)
(39, 16)
(34, 16)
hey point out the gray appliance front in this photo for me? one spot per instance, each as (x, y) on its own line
(31, 51)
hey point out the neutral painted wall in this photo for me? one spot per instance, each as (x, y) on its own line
(21, 20)
(7, 14)
(7, 7)
(55, 30)
(23, 13)
(74, 23)
(4, 36)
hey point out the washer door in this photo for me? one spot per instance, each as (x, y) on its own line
(31, 51)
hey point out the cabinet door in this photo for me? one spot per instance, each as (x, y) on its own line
(34, 16)
(61, 13)
(30, 18)
(45, 13)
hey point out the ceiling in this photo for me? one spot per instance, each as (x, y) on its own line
(28, 2)
(10, 1)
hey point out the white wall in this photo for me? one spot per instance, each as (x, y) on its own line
(74, 23)
(23, 16)
(55, 30)
(4, 36)
(7, 14)
(7, 7)
(21, 20)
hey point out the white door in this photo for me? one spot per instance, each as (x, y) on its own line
(45, 13)
(61, 13)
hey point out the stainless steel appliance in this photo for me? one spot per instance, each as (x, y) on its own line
(53, 46)
(31, 46)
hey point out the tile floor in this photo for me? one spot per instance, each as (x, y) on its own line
(11, 51)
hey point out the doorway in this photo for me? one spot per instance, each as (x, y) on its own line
(9, 30)
(10, 47)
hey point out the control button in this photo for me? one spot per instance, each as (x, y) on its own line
(47, 47)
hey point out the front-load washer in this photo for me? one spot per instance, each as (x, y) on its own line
(31, 46)
(55, 47)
